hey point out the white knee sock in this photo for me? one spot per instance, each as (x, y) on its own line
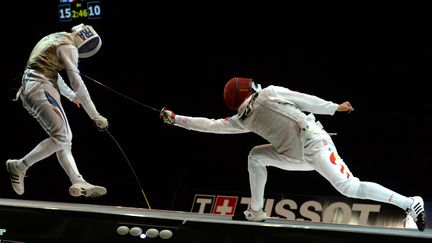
(43, 150)
(68, 164)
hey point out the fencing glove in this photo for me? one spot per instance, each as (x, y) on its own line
(167, 116)
(101, 122)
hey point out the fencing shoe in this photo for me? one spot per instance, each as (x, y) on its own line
(251, 215)
(86, 189)
(16, 176)
(417, 212)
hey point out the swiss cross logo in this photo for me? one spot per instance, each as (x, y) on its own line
(225, 205)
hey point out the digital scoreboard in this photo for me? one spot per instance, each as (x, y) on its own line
(69, 10)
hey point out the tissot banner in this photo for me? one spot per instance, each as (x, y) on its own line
(325, 209)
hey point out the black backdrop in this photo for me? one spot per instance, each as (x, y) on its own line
(162, 56)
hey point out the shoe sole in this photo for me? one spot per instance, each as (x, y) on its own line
(257, 220)
(421, 221)
(92, 192)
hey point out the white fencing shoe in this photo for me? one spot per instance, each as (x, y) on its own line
(86, 189)
(251, 215)
(16, 176)
(256, 216)
(417, 212)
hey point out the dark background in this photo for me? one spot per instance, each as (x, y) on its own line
(162, 56)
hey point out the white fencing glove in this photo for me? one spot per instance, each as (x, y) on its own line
(167, 116)
(101, 122)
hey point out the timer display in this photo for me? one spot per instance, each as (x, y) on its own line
(69, 10)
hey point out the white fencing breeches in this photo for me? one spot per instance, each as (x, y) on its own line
(321, 156)
(43, 103)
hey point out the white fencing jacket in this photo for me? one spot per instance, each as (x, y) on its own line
(275, 113)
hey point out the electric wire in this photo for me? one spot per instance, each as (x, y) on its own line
(112, 137)
(124, 96)
(130, 165)
(11, 89)
(115, 141)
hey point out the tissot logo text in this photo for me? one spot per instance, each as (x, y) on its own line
(310, 210)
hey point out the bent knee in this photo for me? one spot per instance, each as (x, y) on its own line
(61, 140)
(253, 158)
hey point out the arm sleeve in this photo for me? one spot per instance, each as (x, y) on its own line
(230, 125)
(305, 102)
(69, 55)
(64, 89)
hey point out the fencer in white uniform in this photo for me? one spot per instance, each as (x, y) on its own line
(296, 142)
(40, 92)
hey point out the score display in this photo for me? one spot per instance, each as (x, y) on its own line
(69, 10)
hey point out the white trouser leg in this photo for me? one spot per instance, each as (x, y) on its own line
(44, 105)
(259, 158)
(44, 149)
(328, 163)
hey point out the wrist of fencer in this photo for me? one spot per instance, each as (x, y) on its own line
(90, 109)
(172, 118)
(169, 120)
(101, 123)
(168, 117)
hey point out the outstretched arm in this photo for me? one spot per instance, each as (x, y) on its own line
(305, 102)
(228, 125)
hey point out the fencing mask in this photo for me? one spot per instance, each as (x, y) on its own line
(86, 40)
